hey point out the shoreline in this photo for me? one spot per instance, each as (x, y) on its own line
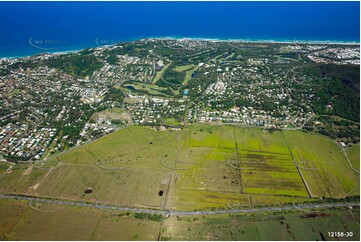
(256, 41)
(269, 41)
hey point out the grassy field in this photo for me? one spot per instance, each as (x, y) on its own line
(19, 222)
(271, 227)
(19, 179)
(199, 167)
(267, 164)
(127, 187)
(140, 147)
(261, 174)
(323, 165)
(353, 154)
(10, 213)
(183, 68)
(189, 75)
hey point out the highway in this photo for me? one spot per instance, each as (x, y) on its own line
(180, 213)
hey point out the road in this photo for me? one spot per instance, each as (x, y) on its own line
(180, 213)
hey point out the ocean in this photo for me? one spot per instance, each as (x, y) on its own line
(28, 28)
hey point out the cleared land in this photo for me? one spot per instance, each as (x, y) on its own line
(137, 146)
(258, 171)
(322, 164)
(272, 227)
(19, 179)
(199, 167)
(267, 164)
(126, 187)
(353, 154)
(18, 222)
(112, 114)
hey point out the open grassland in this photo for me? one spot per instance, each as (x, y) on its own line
(199, 167)
(322, 164)
(353, 154)
(10, 213)
(271, 227)
(20, 222)
(266, 164)
(140, 147)
(126, 187)
(191, 199)
(218, 172)
(19, 178)
(206, 176)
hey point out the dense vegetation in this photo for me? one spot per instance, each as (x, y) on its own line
(80, 64)
(340, 89)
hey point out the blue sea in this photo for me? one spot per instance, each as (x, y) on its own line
(28, 28)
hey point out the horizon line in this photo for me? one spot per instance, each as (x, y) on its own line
(249, 40)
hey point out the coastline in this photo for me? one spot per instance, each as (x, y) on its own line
(259, 41)
(269, 41)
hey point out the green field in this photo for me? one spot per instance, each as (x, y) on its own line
(20, 222)
(201, 167)
(137, 146)
(189, 75)
(353, 154)
(126, 187)
(18, 181)
(183, 68)
(263, 173)
(210, 164)
(268, 164)
(322, 164)
(260, 227)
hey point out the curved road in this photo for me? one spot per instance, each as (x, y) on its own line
(186, 213)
